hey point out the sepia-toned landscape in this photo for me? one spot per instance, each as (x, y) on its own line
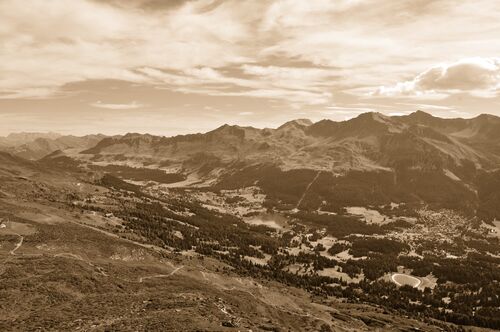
(249, 165)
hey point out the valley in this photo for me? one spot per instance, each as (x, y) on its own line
(372, 223)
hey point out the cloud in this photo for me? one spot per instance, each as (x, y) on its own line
(296, 85)
(132, 105)
(375, 42)
(464, 75)
(284, 53)
(50, 43)
(290, 13)
(427, 106)
(294, 77)
(348, 109)
(479, 76)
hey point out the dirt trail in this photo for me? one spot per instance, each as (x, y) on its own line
(204, 275)
(141, 279)
(18, 245)
(307, 189)
(12, 253)
(70, 255)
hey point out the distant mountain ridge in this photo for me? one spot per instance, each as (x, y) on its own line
(370, 159)
(33, 146)
(25, 137)
(359, 138)
(369, 141)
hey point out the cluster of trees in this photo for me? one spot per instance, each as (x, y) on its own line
(338, 225)
(357, 188)
(111, 181)
(488, 184)
(475, 268)
(204, 230)
(140, 173)
(363, 246)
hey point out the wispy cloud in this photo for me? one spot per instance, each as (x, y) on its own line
(50, 43)
(427, 106)
(132, 105)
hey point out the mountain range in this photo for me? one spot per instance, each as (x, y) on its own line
(370, 159)
(370, 141)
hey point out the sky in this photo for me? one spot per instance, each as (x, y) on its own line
(171, 67)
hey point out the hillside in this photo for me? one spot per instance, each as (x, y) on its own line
(77, 268)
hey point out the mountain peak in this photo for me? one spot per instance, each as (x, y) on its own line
(298, 123)
(487, 117)
(421, 115)
(374, 116)
(226, 128)
(303, 122)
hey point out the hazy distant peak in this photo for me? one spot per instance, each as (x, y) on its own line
(136, 135)
(296, 123)
(34, 134)
(26, 137)
(232, 130)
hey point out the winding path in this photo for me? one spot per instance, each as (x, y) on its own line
(141, 279)
(18, 245)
